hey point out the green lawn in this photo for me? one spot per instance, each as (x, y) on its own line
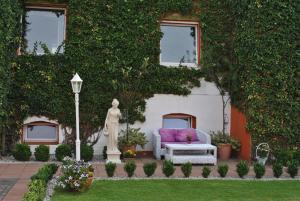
(186, 190)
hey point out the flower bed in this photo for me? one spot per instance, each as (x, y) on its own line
(76, 175)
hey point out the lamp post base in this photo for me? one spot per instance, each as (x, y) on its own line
(77, 150)
(113, 156)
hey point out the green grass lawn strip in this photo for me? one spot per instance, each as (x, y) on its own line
(185, 190)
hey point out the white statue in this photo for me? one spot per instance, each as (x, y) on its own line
(111, 130)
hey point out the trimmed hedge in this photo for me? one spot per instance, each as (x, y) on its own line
(41, 153)
(62, 151)
(22, 152)
(86, 152)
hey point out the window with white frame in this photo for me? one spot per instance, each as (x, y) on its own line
(44, 26)
(179, 44)
(177, 120)
(40, 132)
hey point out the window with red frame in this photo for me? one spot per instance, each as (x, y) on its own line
(179, 120)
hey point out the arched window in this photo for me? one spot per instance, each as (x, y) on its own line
(40, 132)
(179, 120)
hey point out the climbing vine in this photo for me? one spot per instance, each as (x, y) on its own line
(253, 46)
(114, 47)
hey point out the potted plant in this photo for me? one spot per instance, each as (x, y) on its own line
(129, 142)
(225, 144)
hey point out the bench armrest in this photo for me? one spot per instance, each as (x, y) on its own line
(203, 136)
(156, 144)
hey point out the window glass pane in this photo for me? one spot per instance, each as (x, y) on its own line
(178, 44)
(45, 26)
(176, 123)
(41, 132)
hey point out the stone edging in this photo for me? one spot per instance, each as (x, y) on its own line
(199, 178)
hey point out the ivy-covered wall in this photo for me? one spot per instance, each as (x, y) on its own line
(114, 47)
(254, 44)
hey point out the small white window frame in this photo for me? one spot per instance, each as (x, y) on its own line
(198, 45)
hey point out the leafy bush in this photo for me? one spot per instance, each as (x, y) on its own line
(62, 151)
(129, 168)
(259, 170)
(292, 168)
(149, 168)
(135, 137)
(206, 171)
(22, 152)
(242, 168)
(110, 169)
(36, 191)
(168, 168)
(220, 138)
(86, 152)
(277, 170)
(74, 175)
(222, 170)
(45, 173)
(186, 169)
(283, 156)
(41, 153)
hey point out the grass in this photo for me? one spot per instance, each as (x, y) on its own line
(186, 190)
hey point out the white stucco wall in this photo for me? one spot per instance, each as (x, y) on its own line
(204, 103)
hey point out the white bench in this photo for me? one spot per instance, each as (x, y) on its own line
(194, 153)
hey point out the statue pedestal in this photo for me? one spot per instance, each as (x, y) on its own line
(113, 156)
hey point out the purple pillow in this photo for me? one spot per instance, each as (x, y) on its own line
(167, 135)
(182, 134)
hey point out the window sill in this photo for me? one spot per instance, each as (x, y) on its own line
(169, 64)
(41, 142)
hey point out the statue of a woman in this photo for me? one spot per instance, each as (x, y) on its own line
(111, 126)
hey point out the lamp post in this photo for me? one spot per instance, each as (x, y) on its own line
(76, 86)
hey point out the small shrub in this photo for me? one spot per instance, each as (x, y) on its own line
(277, 170)
(104, 154)
(41, 153)
(222, 170)
(206, 171)
(283, 156)
(110, 169)
(36, 191)
(186, 169)
(292, 168)
(86, 152)
(168, 168)
(259, 170)
(62, 151)
(129, 168)
(242, 168)
(22, 152)
(296, 156)
(149, 168)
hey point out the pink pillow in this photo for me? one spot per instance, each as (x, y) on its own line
(182, 134)
(167, 135)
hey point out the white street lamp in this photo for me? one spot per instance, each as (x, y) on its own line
(76, 86)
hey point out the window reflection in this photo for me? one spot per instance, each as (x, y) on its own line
(176, 123)
(47, 132)
(178, 44)
(46, 27)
